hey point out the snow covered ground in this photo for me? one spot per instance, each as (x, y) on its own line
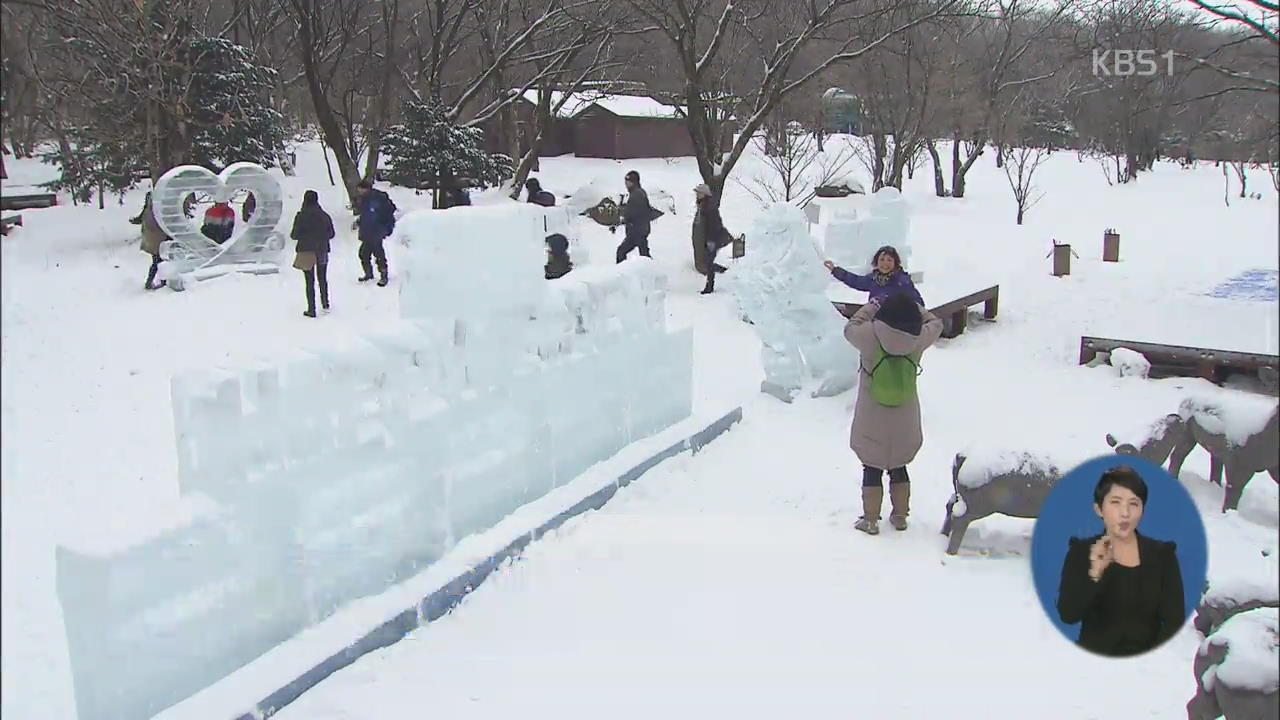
(731, 582)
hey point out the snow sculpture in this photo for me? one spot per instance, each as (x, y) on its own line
(851, 240)
(496, 387)
(189, 256)
(781, 287)
(1241, 433)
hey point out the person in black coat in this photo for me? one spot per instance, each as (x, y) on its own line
(558, 262)
(536, 195)
(1125, 589)
(313, 229)
(636, 216)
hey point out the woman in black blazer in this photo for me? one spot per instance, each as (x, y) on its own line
(1125, 589)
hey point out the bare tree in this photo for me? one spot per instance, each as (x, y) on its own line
(1020, 168)
(789, 45)
(1253, 27)
(795, 164)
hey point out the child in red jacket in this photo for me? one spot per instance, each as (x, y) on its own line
(219, 222)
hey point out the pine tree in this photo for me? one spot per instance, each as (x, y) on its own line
(428, 150)
(93, 166)
(231, 105)
(214, 86)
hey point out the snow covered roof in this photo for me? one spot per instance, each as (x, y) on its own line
(620, 105)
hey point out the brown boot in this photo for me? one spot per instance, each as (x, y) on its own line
(900, 499)
(872, 499)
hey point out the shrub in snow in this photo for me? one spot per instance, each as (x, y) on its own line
(992, 480)
(1154, 442)
(1237, 664)
(1241, 434)
(1130, 363)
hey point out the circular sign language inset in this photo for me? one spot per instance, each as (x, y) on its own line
(188, 249)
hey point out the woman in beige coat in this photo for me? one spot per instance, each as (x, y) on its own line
(887, 437)
(152, 236)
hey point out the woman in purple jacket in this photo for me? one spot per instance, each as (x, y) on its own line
(887, 276)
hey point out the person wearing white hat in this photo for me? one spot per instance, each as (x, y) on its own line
(709, 235)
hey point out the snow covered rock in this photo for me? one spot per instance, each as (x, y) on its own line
(1130, 363)
(995, 480)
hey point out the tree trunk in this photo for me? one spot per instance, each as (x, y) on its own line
(877, 162)
(1020, 212)
(331, 132)
(960, 169)
(939, 186)
(999, 155)
(325, 154)
(372, 153)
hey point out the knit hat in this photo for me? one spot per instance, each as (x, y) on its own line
(900, 312)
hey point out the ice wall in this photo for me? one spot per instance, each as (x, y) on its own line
(851, 237)
(338, 471)
(781, 286)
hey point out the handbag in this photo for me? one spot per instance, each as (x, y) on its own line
(305, 261)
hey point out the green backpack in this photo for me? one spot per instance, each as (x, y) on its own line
(893, 377)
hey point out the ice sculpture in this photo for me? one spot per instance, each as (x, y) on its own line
(850, 239)
(496, 387)
(188, 255)
(781, 287)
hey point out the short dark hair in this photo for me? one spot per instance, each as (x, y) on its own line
(1124, 476)
(365, 183)
(633, 176)
(892, 252)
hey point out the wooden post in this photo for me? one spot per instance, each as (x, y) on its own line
(1110, 246)
(1061, 259)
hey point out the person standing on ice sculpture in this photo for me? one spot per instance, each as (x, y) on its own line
(313, 229)
(636, 216)
(887, 276)
(891, 333)
(375, 219)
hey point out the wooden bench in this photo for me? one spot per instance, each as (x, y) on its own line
(9, 221)
(1186, 361)
(28, 202)
(954, 314)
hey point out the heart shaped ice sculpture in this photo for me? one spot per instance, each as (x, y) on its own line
(254, 248)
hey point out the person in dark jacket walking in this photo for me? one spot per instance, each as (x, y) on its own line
(636, 212)
(219, 222)
(313, 229)
(250, 204)
(375, 219)
(709, 235)
(887, 276)
(1124, 588)
(538, 196)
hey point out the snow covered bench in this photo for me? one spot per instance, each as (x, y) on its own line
(1237, 665)
(28, 202)
(990, 481)
(1241, 435)
(9, 221)
(1184, 360)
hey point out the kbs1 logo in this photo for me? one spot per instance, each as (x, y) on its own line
(1126, 63)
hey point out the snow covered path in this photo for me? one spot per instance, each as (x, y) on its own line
(729, 585)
